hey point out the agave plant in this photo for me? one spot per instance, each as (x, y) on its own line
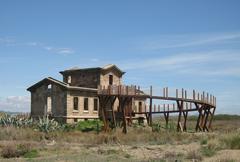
(47, 125)
(15, 121)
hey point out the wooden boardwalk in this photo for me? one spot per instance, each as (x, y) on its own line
(204, 104)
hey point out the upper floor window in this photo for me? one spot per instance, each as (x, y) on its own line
(140, 106)
(69, 79)
(86, 104)
(95, 108)
(75, 103)
(110, 79)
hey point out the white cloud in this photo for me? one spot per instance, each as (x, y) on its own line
(178, 41)
(59, 50)
(94, 60)
(15, 103)
(64, 51)
(217, 63)
(8, 41)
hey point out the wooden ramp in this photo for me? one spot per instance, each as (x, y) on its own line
(204, 104)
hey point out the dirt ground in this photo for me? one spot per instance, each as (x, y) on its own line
(138, 145)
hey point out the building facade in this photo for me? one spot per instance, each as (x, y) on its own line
(75, 98)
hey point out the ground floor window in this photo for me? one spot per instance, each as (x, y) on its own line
(75, 103)
(86, 104)
(95, 108)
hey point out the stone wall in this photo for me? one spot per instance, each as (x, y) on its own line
(59, 101)
(104, 78)
(39, 102)
(76, 115)
(86, 78)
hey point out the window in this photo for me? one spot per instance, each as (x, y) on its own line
(50, 86)
(140, 106)
(75, 120)
(75, 103)
(86, 104)
(110, 79)
(69, 79)
(95, 108)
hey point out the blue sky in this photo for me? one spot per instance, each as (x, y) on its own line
(190, 44)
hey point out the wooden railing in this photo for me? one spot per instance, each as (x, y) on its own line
(189, 97)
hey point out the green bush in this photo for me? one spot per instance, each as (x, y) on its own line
(89, 125)
(203, 141)
(31, 154)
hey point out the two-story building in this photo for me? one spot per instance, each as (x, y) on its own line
(75, 98)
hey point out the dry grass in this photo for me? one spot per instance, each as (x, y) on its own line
(140, 144)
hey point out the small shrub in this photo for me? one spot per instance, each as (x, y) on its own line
(156, 127)
(127, 155)
(232, 141)
(23, 149)
(203, 141)
(9, 151)
(206, 151)
(89, 125)
(194, 155)
(31, 154)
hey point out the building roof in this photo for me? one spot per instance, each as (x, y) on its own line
(104, 68)
(50, 80)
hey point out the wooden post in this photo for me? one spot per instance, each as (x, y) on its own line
(180, 108)
(185, 94)
(182, 93)
(113, 115)
(194, 97)
(150, 112)
(185, 114)
(207, 97)
(205, 128)
(199, 117)
(203, 96)
(176, 93)
(166, 116)
(167, 92)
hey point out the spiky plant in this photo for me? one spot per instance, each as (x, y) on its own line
(47, 125)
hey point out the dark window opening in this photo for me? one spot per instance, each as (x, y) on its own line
(95, 108)
(85, 103)
(140, 106)
(110, 79)
(75, 103)
(75, 120)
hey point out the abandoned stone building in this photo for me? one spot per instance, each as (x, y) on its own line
(75, 98)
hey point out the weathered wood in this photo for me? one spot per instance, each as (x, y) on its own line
(166, 117)
(205, 106)
(180, 108)
(150, 111)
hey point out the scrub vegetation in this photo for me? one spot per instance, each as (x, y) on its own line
(24, 139)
